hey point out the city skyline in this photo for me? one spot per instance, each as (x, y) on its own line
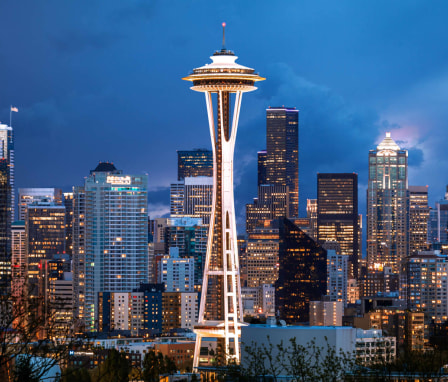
(351, 82)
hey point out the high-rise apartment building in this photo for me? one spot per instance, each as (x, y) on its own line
(423, 285)
(337, 214)
(177, 273)
(30, 195)
(6, 204)
(45, 237)
(282, 152)
(302, 273)
(194, 163)
(113, 255)
(192, 197)
(387, 205)
(418, 218)
(79, 254)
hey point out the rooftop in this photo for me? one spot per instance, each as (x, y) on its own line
(388, 144)
(105, 167)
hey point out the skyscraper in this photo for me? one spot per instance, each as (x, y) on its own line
(423, 285)
(282, 152)
(262, 255)
(418, 218)
(438, 222)
(337, 271)
(272, 203)
(302, 273)
(79, 254)
(115, 253)
(194, 163)
(6, 204)
(45, 237)
(387, 205)
(337, 214)
(220, 313)
(68, 204)
(18, 260)
(311, 213)
(261, 156)
(192, 197)
(30, 195)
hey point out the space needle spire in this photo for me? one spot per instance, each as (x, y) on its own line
(221, 313)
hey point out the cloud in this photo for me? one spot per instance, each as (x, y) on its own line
(159, 195)
(158, 210)
(334, 135)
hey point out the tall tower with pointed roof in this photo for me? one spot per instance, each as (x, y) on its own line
(387, 206)
(221, 314)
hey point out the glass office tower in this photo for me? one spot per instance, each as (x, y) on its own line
(387, 206)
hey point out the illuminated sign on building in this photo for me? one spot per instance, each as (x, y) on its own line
(118, 179)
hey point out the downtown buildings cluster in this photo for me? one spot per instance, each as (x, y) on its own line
(115, 271)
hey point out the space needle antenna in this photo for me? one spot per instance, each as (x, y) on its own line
(223, 36)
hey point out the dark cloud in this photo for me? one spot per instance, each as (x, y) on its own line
(415, 157)
(334, 135)
(102, 80)
(160, 195)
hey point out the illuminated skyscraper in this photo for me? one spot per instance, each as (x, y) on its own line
(272, 203)
(45, 237)
(79, 254)
(282, 152)
(387, 205)
(68, 204)
(194, 163)
(113, 257)
(220, 314)
(192, 197)
(6, 204)
(418, 218)
(262, 255)
(423, 285)
(31, 195)
(337, 214)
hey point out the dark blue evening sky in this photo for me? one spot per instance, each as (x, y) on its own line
(101, 80)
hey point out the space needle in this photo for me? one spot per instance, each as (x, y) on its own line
(221, 314)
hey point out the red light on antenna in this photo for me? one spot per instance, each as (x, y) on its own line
(223, 24)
